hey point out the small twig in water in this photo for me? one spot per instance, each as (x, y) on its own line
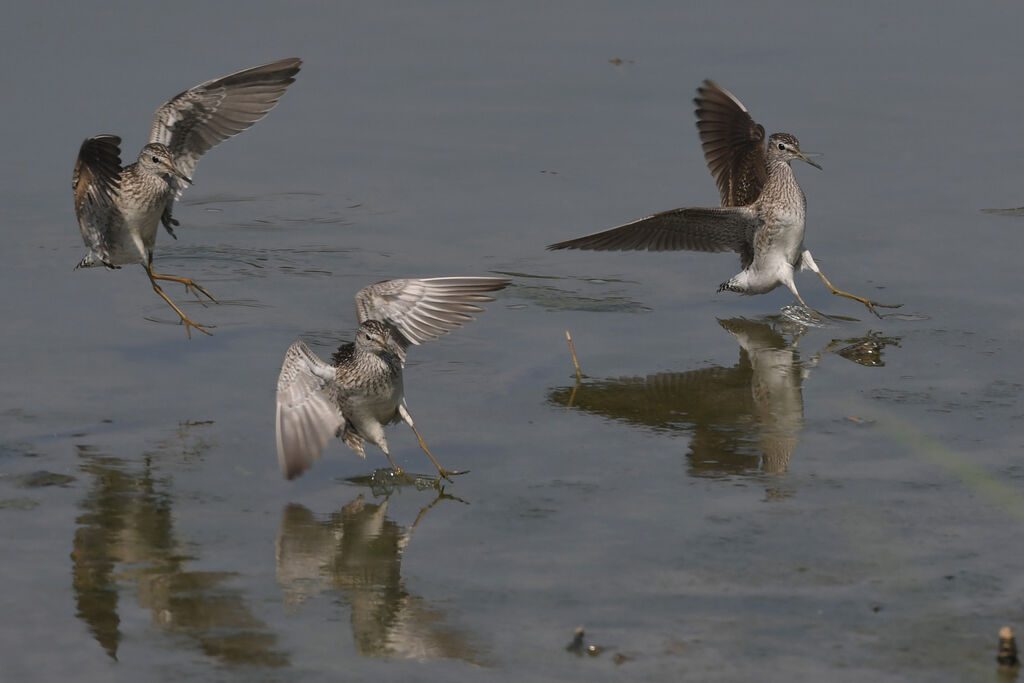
(572, 350)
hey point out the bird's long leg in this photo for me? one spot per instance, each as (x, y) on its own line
(188, 322)
(792, 288)
(867, 302)
(807, 261)
(442, 472)
(190, 285)
(394, 465)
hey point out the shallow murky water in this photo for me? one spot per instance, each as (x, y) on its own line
(725, 495)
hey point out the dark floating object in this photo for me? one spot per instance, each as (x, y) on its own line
(1007, 657)
(763, 207)
(576, 645)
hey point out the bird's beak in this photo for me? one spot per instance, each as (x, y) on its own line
(189, 180)
(175, 171)
(805, 156)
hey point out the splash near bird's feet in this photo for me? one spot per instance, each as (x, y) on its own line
(805, 316)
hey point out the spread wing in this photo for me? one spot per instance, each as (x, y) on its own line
(193, 122)
(425, 309)
(733, 145)
(692, 229)
(307, 417)
(96, 182)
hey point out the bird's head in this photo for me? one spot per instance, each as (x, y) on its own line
(159, 160)
(375, 337)
(786, 147)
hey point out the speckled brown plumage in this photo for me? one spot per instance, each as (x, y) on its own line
(119, 209)
(363, 391)
(763, 211)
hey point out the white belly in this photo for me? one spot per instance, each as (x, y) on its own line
(143, 221)
(788, 241)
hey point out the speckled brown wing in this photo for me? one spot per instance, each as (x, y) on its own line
(425, 309)
(96, 182)
(193, 122)
(733, 145)
(715, 229)
(307, 416)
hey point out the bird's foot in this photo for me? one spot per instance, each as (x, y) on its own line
(871, 305)
(192, 287)
(189, 324)
(185, 320)
(447, 475)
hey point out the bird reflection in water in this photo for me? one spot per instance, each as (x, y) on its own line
(747, 417)
(357, 552)
(125, 543)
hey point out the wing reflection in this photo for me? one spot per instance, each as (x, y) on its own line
(742, 418)
(358, 552)
(125, 538)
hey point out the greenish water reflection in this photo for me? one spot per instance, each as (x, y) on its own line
(125, 547)
(744, 417)
(357, 552)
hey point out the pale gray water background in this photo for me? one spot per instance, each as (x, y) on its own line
(694, 514)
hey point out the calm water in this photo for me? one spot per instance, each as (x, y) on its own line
(723, 497)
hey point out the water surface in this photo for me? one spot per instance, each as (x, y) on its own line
(724, 496)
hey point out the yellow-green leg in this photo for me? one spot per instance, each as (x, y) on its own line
(188, 322)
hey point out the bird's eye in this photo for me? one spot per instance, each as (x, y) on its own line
(157, 161)
(781, 146)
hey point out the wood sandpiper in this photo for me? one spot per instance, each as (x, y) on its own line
(118, 208)
(762, 213)
(363, 391)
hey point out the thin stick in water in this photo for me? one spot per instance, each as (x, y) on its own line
(572, 350)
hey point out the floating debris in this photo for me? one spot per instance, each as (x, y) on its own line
(1007, 657)
(576, 645)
